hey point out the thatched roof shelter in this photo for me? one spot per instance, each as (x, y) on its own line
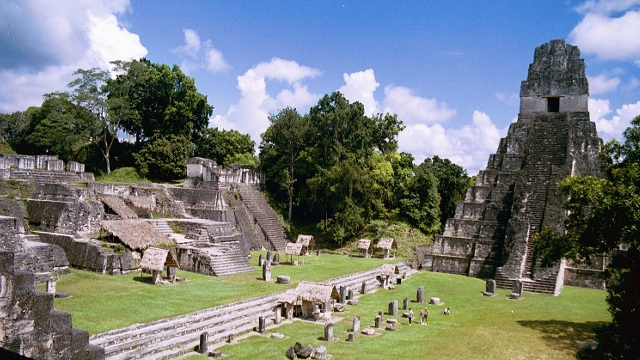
(137, 234)
(387, 244)
(389, 270)
(156, 259)
(293, 249)
(316, 292)
(289, 297)
(364, 244)
(306, 240)
(118, 206)
(141, 202)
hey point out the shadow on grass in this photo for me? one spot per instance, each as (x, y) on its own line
(563, 335)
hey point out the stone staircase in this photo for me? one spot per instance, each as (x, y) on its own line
(170, 338)
(266, 217)
(230, 260)
(45, 176)
(546, 285)
(162, 226)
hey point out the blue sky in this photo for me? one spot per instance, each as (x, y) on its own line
(451, 70)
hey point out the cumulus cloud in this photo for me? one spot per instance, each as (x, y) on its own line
(200, 55)
(468, 146)
(609, 38)
(602, 84)
(606, 6)
(250, 114)
(414, 109)
(44, 42)
(613, 127)
(360, 86)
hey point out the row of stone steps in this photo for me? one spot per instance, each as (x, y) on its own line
(232, 260)
(542, 286)
(169, 338)
(265, 215)
(44, 176)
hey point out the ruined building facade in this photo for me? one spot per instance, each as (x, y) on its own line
(516, 196)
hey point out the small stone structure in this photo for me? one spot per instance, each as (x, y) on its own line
(155, 260)
(517, 196)
(308, 242)
(365, 245)
(420, 296)
(387, 244)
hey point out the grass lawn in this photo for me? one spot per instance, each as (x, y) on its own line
(101, 302)
(536, 327)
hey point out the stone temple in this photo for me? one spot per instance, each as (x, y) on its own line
(516, 196)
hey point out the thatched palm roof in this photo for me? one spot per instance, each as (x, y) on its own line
(118, 206)
(306, 240)
(289, 297)
(364, 244)
(316, 292)
(293, 249)
(389, 269)
(141, 202)
(135, 233)
(156, 259)
(387, 244)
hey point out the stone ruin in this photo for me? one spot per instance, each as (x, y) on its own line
(516, 196)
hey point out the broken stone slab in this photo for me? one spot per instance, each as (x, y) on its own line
(277, 336)
(305, 352)
(215, 354)
(350, 337)
(490, 286)
(392, 321)
(405, 315)
(291, 353)
(283, 279)
(390, 327)
(434, 301)
(338, 307)
(319, 353)
(61, 295)
(368, 331)
(514, 296)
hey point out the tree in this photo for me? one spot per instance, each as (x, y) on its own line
(226, 147)
(159, 100)
(89, 92)
(287, 135)
(453, 182)
(603, 216)
(58, 127)
(164, 157)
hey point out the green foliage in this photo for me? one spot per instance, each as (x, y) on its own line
(123, 175)
(604, 217)
(226, 147)
(5, 148)
(164, 158)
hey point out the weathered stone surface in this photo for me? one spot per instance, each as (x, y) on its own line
(420, 295)
(338, 308)
(516, 195)
(356, 324)
(434, 301)
(283, 279)
(319, 353)
(491, 286)
(291, 353)
(305, 352)
(368, 331)
(328, 332)
(393, 308)
(390, 327)
(277, 336)
(204, 343)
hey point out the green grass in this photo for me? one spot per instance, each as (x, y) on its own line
(536, 327)
(127, 175)
(100, 302)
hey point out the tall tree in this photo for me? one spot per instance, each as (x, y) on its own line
(160, 101)
(603, 217)
(287, 135)
(89, 92)
(226, 146)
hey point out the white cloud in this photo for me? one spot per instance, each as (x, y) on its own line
(200, 55)
(360, 86)
(606, 6)
(602, 84)
(511, 99)
(250, 114)
(48, 41)
(612, 128)
(413, 109)
(469, 146)
(609, 38)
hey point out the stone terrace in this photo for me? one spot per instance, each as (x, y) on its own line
(168, 338)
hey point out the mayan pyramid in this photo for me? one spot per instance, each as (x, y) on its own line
(516, 195)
